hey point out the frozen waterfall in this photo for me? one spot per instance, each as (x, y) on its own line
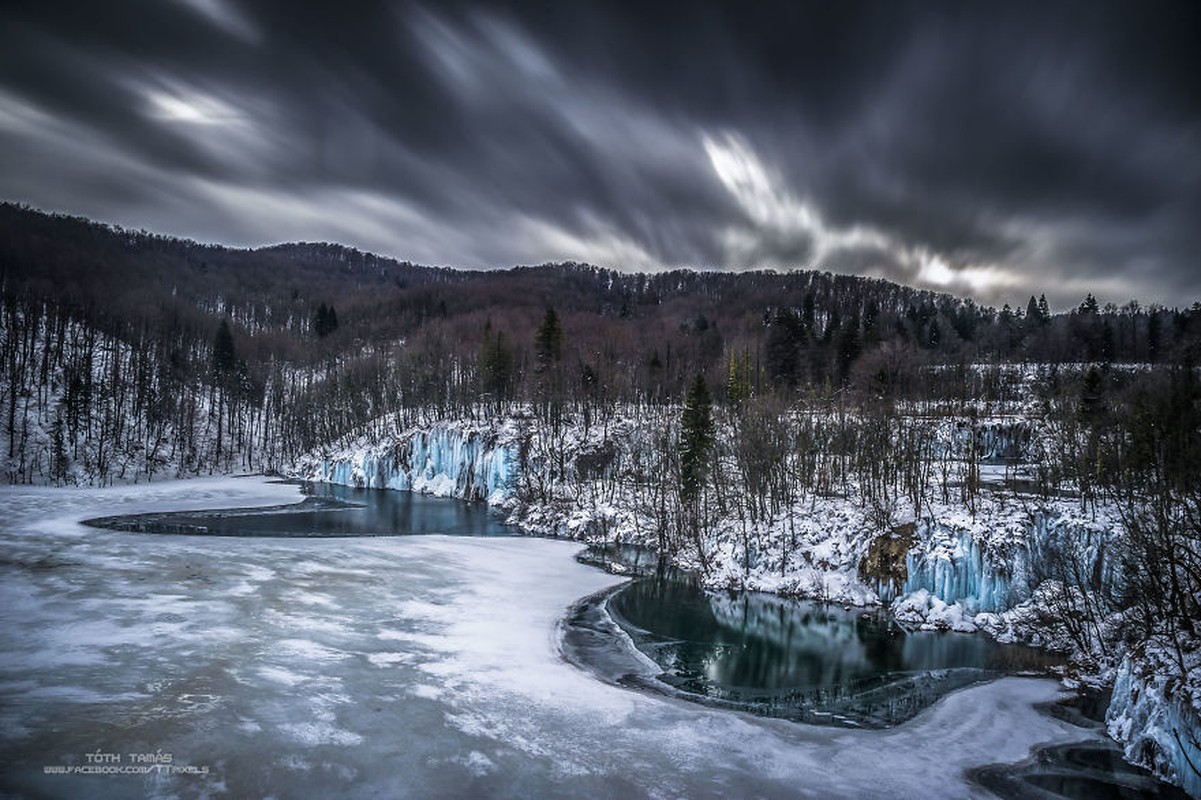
(447, 459)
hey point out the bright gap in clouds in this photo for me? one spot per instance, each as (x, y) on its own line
(190, 107)
(777, 214)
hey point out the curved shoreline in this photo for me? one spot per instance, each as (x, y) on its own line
(804, 744)
(593, 637)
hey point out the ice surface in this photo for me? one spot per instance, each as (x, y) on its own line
(409, 666)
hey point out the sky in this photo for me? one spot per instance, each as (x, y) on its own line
(991, 150)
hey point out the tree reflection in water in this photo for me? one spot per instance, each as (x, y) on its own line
(802, 659)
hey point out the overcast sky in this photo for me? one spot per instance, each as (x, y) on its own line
(988, 149)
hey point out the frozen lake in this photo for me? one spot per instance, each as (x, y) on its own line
(402, 666)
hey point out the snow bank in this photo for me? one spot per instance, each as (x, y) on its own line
(583, 482)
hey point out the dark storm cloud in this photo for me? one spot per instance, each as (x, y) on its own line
(986, 149)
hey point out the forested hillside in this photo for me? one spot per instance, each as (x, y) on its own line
(128, 355)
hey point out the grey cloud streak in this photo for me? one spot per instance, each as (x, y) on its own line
(985, 150)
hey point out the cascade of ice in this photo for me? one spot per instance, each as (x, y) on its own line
(956, 571)
(1157, 728)
(445, 460)
(886, 590)
(1061, 550)
(993, 440)
(953, 565)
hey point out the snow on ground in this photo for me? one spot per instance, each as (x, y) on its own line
(419, 666)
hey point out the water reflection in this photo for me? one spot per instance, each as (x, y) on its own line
(802, 659)
(328, 511)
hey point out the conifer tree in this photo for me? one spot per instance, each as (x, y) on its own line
(225, 364)
(934, 334)
(496, 366)
(59, 463)
(548, 342)
(325, 321)
(738, 380)
(225, 358)
(849, 347)
(1153, 335)
(696, 438)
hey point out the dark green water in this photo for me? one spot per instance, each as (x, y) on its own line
(824, 664)
(328, 511)
(800, 659)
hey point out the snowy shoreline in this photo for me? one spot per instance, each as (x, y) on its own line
(964, 572)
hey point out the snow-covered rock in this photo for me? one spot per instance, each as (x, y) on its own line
(927, 612)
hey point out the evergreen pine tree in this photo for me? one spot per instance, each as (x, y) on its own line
(319, 321)
(696, 438)
(59, 463)
(548, 342)
(496, 366)
(1153, 336)
(848, 347)
(785, 338)
(738, 379)
(809, 312)
(1108, 345)
(1033, 315)
(225, 358)
(733, 395)
(934, 334)
(325, 321)
(225, 377)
